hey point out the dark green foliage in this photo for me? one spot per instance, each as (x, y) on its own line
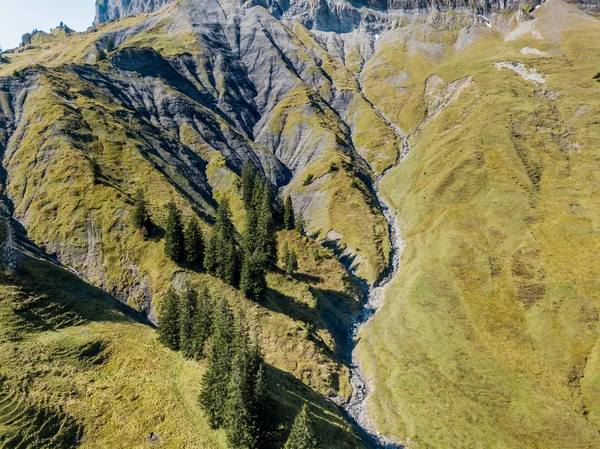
(169, 333)
(234, 392)
(316, 255)
(110, 44)
(597, 77)
(333, 167)
(354, 184)
(245, 393)
(9, 260)
(299, 225)
(253, 279)
(222, 255)
(174, 237)
(96, 171)
(308, 180)
(279, 210)
(203, 324)
(288, 213)
(139, 217)
(215, 381)
(194, 242)
(100, 55)
(188, 315)
(285, 252)
(248, 174)
(303, 434)
(291, 263)
(210, 254)
(266, 238)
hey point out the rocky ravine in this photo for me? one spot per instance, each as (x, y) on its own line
(357, 405)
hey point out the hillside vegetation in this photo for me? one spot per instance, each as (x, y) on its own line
(489, 336)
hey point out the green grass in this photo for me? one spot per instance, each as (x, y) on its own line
(66, 348)
(488, 338)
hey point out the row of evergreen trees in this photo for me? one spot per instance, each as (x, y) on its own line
(234, 386)
(186, 322)
(244, 264)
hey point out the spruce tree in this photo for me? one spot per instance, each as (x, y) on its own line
(240, 419)
(174, 237)
(291, 264)
(253, 278)
(203, 324)
(194, 242)
(215, 380)
(188, 308)
(248, 174)
(261, 408)
(288, 214)
(223, 251)
(266, 238)
(303, 434)
(300, 225)
(139, 216)
(210, 255)
(168, 326)
(285, 253)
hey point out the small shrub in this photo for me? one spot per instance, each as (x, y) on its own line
(354, 184)
(333, 167)
(96, 171)
(597, 77)
(316, 255)
(308, 180)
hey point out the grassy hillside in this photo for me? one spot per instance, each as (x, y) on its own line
(75, 367)
(489, 336)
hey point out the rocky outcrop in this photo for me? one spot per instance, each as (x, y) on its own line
(323, 15)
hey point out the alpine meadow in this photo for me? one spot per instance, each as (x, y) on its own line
(302, 224)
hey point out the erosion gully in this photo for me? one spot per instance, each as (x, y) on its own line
(355, 407)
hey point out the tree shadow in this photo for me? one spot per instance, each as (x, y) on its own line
(288, 394)
(53, 297)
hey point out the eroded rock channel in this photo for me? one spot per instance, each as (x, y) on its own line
(356, 407)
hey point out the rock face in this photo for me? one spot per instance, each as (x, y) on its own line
(323, 15)
(107, 10)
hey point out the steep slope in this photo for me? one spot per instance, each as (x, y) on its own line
(199, 85)
(73, 368)
(489, 336)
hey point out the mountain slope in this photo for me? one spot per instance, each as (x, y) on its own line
(497, 297)
(488, 337)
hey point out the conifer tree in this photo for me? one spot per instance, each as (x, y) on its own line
(253, 278)
(248, 174)
(188, 308)
(203, 324)
(266, 238)
(168, 327)
(285, 253)
(139, 216)
(222, 253)
(240, 418)
(303, 434)
(174, 237)
(8, 252)
(288, 214)
(299, 225)
(210, 255)
(291, 264)
(279, 210)
(215, 380)
(194, 242)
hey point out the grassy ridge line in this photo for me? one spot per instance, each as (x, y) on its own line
(496, 299)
